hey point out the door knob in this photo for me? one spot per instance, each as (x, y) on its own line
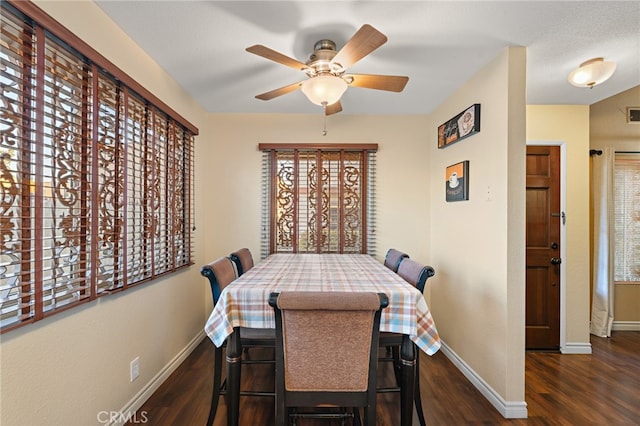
(556, 261)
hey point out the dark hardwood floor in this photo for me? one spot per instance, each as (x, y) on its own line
(598, 389)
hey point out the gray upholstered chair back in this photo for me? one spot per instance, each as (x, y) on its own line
(415, 273)
(220, 273)
(242, 259)
(393, 258)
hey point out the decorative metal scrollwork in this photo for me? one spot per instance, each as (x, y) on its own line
(317, 196)
(285, 207)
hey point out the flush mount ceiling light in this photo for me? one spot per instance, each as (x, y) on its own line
(592, 72)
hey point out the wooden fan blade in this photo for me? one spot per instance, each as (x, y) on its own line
(279, 92)
(333, 108)
(364, 41)
(278, 57)
(392, 83)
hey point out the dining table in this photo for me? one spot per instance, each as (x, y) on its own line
(245, 303)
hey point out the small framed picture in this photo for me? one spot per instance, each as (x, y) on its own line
(633, 115)
(457, 182)
(459, 127)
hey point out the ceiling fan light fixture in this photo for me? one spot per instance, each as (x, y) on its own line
(324, 89)
(592, 72)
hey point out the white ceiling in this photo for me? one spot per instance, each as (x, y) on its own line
(438, 44)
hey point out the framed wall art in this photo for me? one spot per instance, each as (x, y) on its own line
(459, 127)
(457, 182)
(633, 115)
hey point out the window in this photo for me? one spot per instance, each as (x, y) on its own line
(96, 176)
(318, 199)
(627, 218)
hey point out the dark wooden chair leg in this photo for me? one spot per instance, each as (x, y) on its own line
(215, 395)
(417, 396)
(234, 354)
(356, 417)
(408, 361)
(282, 413)
(397, 366)
(370, 415)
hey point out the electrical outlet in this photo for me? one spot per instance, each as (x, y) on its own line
(134, 368)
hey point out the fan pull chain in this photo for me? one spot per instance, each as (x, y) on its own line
(324, 129)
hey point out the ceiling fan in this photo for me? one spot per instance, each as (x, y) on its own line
(326, 78)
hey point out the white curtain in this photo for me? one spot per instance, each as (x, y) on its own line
(602, 307)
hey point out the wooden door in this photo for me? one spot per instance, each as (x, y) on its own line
(543, 261)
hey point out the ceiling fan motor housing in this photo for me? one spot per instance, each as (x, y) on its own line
(320, 60)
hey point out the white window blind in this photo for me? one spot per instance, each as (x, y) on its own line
(627, 218)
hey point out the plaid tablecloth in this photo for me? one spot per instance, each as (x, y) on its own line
(244, 303)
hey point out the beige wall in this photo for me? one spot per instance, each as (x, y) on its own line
(569, 124)
(609, 128)
(478, 245)
(234, 174)
(66, 369)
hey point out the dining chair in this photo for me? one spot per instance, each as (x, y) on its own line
(221, 273)
(319, 361)
(242, 259)
(393, 258)
(415, 274)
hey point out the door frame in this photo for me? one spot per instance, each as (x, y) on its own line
(563, 234)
